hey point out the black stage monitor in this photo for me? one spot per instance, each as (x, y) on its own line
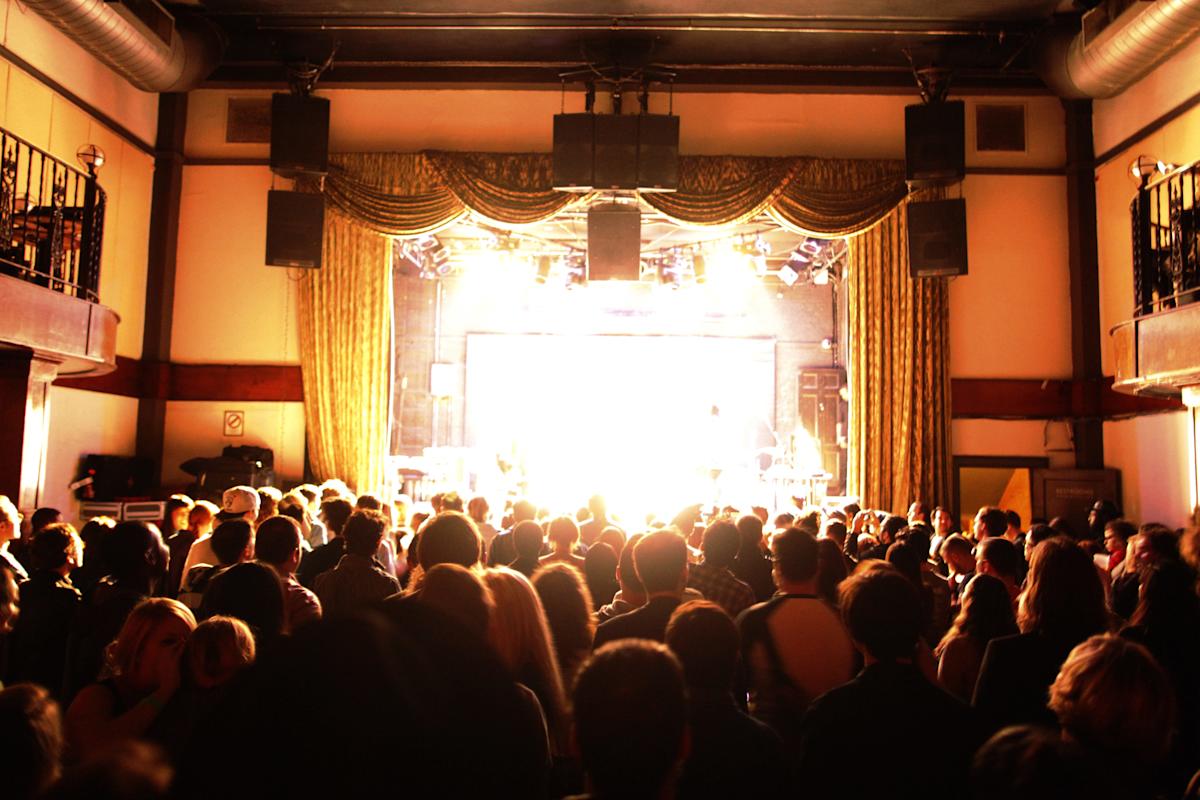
(295, 229)
(299, 135)
(934, 143)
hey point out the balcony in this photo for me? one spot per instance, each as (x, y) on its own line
(1158, 351)
(51, 233)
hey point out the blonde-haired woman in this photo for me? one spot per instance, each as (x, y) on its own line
(144, 664)
(521, 637)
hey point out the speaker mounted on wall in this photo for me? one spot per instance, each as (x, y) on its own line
(295, 229)
(299, 135)
(937, 238)
(934, 143)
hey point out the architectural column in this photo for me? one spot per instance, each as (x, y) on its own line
(160, 272)
(25, 410)
(1191, 399)
(1088, 427)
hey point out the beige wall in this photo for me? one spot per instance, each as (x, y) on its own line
(83, 423)
(196, 429)
(1152, 454)
(1172, 83)
(39, 43)
(229, 306)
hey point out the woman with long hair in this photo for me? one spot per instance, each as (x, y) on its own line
(1063, 604)
(568, 605)
(986, 614)
(144, 665)
(520, 635)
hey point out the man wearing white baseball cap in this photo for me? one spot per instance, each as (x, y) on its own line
(238, 502)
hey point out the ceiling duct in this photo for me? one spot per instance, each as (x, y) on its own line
(177, 59)
(1081, 63)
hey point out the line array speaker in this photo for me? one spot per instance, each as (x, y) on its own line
(937, 238)
(624, 152)
(299, 135)
(614, 242)
(934, 143)
(295, 229)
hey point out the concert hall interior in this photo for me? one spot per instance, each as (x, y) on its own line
(796, 254)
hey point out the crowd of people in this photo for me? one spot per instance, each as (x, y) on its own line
(319, 643)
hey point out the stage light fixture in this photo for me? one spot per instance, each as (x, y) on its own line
(820, 275)
(543, 268)
(575, 269)
(788, 274)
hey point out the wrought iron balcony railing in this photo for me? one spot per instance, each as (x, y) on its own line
(51, 218)
(1166, 248)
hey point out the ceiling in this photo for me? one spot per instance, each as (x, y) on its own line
(764, 44)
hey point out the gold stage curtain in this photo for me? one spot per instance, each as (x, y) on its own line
(345, 311)
(899, 373)
(899, 386)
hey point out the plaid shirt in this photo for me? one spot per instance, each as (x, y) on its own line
(719, 585)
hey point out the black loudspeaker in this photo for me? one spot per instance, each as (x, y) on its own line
(295, 229)
(658, 153)
(934, 143)
(114, 477)
(615, 164)
(299, 135)
(573, 144)
(937, 238)
(614, 242)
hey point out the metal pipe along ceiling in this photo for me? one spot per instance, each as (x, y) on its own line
(148, 64)
(1131, 46)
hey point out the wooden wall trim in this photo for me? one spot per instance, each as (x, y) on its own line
(972, 398)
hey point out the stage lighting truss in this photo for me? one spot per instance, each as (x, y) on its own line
(426, 254)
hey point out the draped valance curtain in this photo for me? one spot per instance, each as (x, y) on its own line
(898, 371)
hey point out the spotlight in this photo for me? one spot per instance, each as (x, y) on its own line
(788, 274)
(575, 270)
(827, 343)
(820, 276)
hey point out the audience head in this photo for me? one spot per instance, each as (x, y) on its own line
(882, 612)
(10, 521)
(1101, 513)
(233, 541)
(268, 501)
(368, 502)
(704, 639)
(477, 509)
(177, 509)
(1014, 522)
(631, 718)
(334, 512)
(527, 539)
(783, 520)
(917, 512)
(335, 488)
(597, 507)
(1030, 762)
(720, 544)
(9, 599)
(831, 569)
(450, 538)
(600, 569)
(891, 527)
(563, 533)
(986, 613)
(519, 632)
(201, 517)
(1037, 534)
(750, 529)
(1063, 598)
(943, 522)
(836, 531)
(277, 542)
(31, 733)
(809, 521)
(250, 591)
(1117, 534)
(660, 559)
(126, 770)
(795, 555)
(631, 585)
(153, 636)
(452, 501)
(364, 532)
(956, 552)
(460, 594)
(43, 517)
(614, 537)
(990, 521)
(523, 510)
(57, 548)
(1155, 544)
(134, 553)
(1064, 527)
(1114, 700)
(219, 648)
(568, 605)
(999, 557)
(239, 502)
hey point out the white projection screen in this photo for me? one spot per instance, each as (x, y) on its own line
(631, 417)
